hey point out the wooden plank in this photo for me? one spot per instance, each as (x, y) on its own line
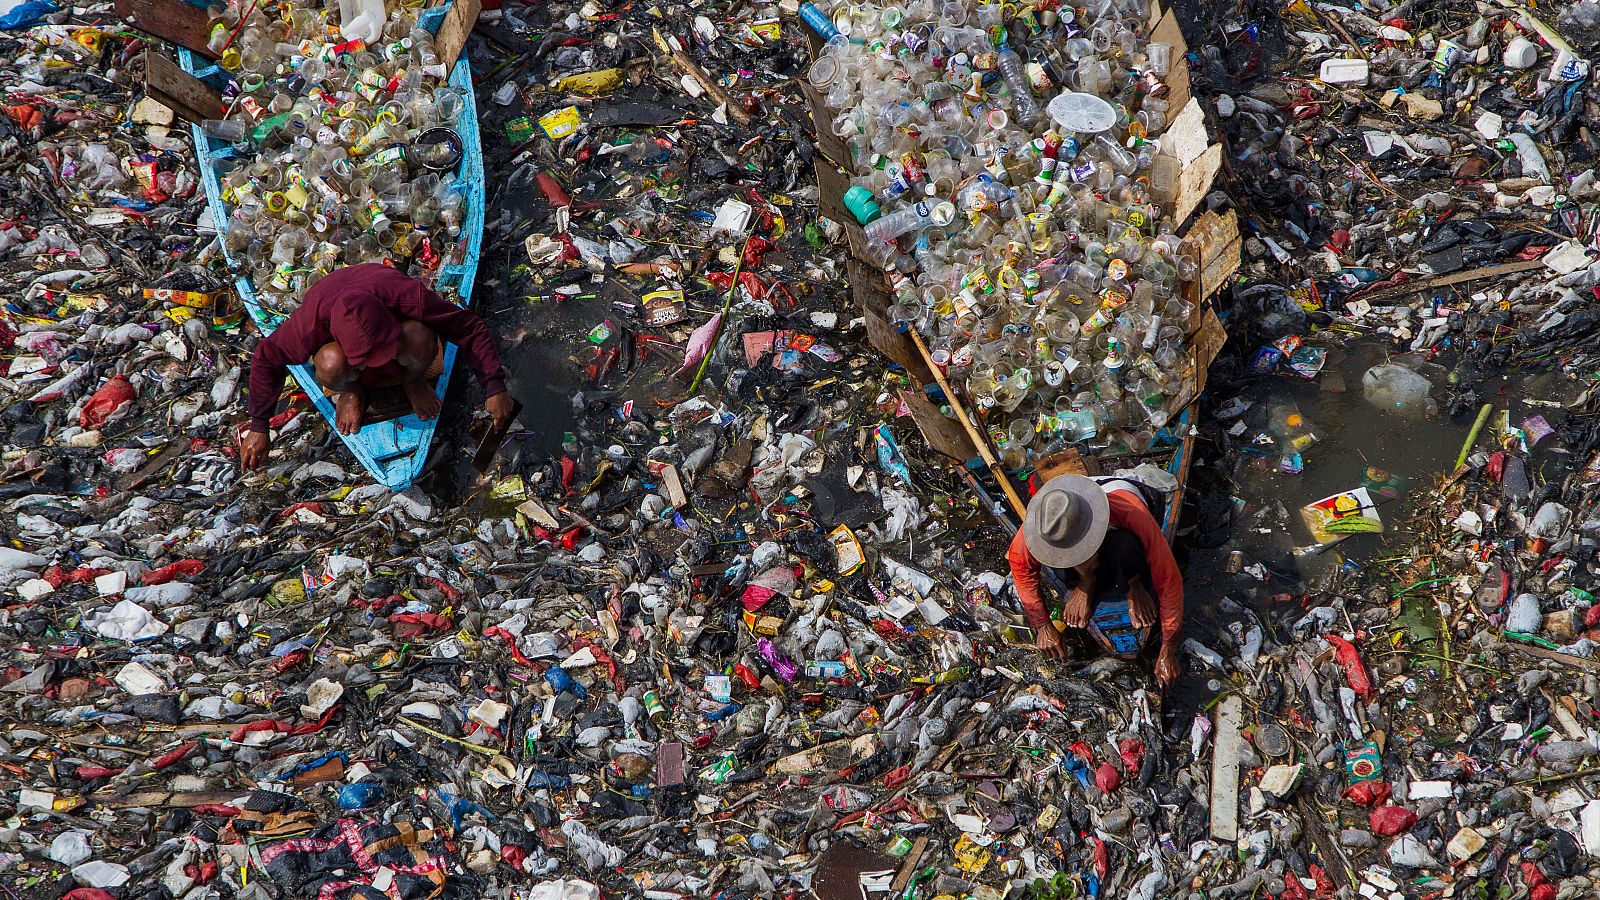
(454, 30)
(814, 41)
(719, 95)
(1577, 662)
(869, 286)
(189, 97)
(831, 185)
(1064, 462)
(1207, 343)
(909, 866)
(173, 21)
(157, 464)
(980, 441)
(1214, 243)
(1333, 861)
(1195, 182)
(1418, 286)
(676, 495)
(1169, 519)
(831, 145)
(857, 237)
(895, 344)
(866, 284)
(1225, 770)
(165, 798)
(1188, 389)
(942, 433)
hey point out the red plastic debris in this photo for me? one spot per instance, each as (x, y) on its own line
(112, 398)
(170, 571)
(90, 772)
(1355, 671)
(1107, 778)
(1369, 793)
(174, 756)
(1131, 750)
(1391, 820)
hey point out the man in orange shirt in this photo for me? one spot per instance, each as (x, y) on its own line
(1102, 541)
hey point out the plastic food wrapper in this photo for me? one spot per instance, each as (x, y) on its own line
(127, 621)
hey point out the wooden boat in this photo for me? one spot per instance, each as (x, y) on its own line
(394, 450)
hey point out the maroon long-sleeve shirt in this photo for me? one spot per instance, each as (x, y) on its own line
(311, 326)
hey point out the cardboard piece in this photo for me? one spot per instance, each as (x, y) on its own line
(1215, 243)
(1186, 137)
(1207, 343)
(1337, 516)
(831, 185)
(1166, 31)
(829, 144)
(841, 866)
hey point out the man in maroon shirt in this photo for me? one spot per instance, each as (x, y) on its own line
(363, 326)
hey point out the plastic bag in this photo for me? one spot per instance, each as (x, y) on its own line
(1355, 671)
(1400, 390)
(1107, 778)
(1391, 820)
(111, 402)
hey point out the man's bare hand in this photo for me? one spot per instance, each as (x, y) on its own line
(1076, 613)
(499, 407)
(253, 449)
(1167, 666)
(1050, 644)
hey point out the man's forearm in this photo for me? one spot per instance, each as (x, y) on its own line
(467, 331)
(1171, 619)
(1033, 606)
(266, 383)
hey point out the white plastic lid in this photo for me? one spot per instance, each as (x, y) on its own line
(1082, 113)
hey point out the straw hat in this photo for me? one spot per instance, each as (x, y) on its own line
(1066, 521)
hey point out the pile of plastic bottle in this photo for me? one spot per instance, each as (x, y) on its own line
(1014, 194)
(343, 146)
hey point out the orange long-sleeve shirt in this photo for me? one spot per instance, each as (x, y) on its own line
(1128, 512)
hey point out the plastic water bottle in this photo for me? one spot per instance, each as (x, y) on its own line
(913, 218)
(1016, 75)
(818, 21)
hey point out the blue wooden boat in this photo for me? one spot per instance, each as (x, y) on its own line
(1111, 625)
(393, 451)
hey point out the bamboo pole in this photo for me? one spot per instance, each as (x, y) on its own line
(1472, 436)
(978, 439)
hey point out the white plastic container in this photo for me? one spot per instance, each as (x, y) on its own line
(1344, 71)
(1521, 53)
